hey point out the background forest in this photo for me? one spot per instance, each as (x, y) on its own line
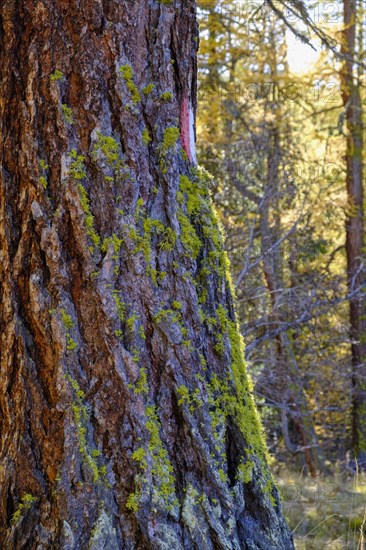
(281, 129)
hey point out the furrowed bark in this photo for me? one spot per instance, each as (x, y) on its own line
(126, 415)
(355, 228)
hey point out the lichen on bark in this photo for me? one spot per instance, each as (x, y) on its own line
(115, 295)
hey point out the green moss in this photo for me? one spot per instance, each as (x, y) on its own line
(127, 74)
(67, 112)
(43, 164)
(166, 96)
(56, 75)
(25, 504)
(177, 305)
(146, 139)
(165, 2)
(148, 89)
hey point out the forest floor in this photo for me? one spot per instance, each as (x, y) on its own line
(325, 513)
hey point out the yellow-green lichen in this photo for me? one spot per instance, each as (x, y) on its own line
(77, 168)
(127, 74)
(190, 240)
(169, 240)
(44, 167)
(71, 344)
(171, 136)
(148, 89)
(155, 462)
(116, 243)
(142, 242)
(66, 319)
(131, 321)
(109, 147)
(92, 457)
(67, 112)
(162, 469)
(183, 394)
(140, 456)
(146, 139)
(89, 218)
(166, 96)
(56, 76)
(245, 471)
(25, 504)
(132, 502)
(43, 182)
(232, 396)
(120, 305)
(142, 385)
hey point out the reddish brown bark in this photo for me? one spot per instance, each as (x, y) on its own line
(355, 227)
(119, 411)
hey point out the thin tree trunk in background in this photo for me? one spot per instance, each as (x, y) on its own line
(355, 227)
(288, 386)
(126, 415)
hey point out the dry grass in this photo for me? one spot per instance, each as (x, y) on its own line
(327, 513)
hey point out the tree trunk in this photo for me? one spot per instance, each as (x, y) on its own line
(127, 419)
(355, 228)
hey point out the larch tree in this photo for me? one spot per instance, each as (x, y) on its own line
(351, 95)
(126, 414)
(256, 160)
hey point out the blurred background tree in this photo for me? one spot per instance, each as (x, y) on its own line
(280, 142)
